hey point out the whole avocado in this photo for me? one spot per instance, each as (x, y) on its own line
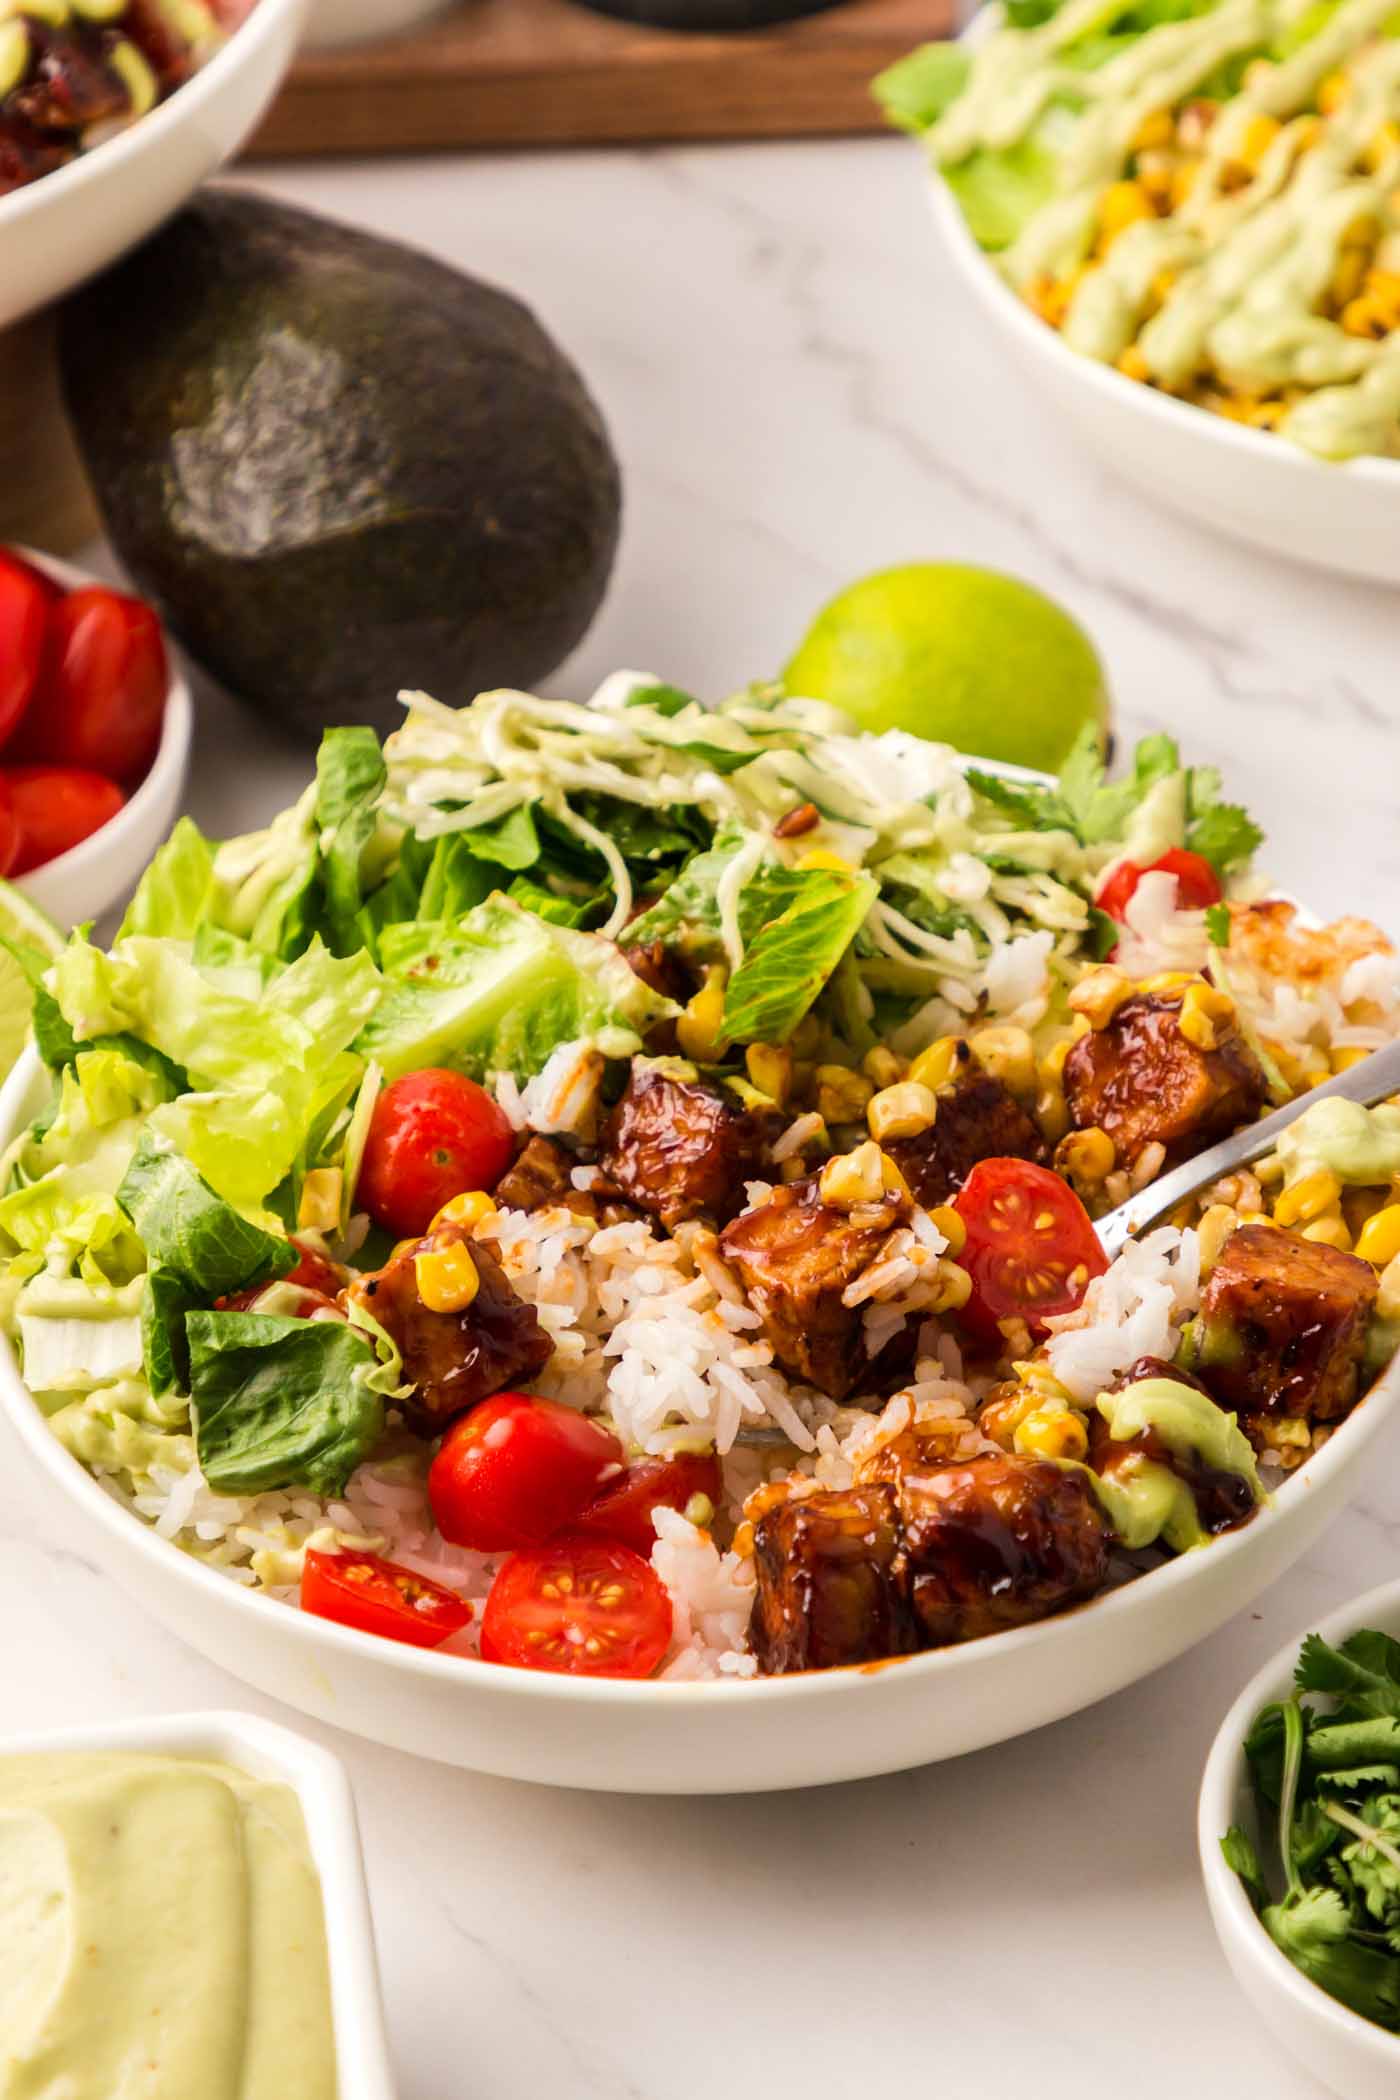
(339, 467)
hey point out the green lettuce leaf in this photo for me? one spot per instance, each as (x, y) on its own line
(915, 91)
(174, 896)
(281, 1403)
(350, 777)
(499, 991)
(266, 884)
(190, 1232)
(791, 959)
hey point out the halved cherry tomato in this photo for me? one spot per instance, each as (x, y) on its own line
(1031, 1248)
(9, 828)
(516, 1470)
(101, 693)
(378, 1596)
(1197, 883)
(586, 1607)
(623, 1510)
(433, 1134)
(24, 616)
(55, 808)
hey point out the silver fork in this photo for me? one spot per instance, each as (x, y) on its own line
(1373, 1080)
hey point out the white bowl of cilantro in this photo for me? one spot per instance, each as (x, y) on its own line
(1299, 1832)
(1207, 448)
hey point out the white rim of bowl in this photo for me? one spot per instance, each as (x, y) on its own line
(1215, 1813)
(1175, 415)
(172, 752)
(313, 1632)
(260, 27)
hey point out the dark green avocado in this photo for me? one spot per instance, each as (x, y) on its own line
(339, 467)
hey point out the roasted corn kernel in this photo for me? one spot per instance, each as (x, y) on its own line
(1379, 1241)
(1005, 1409)
(770, 1069)
(842, 1096)
(954, 1288)
(1099, 995)
(1213, 1231)
(1330, 1230)
(942, 1061)
(1121, 206)
(1086, 1156)
(1206, 1012)
(1052, 1430)
(318, 1207)
(950, 1224)
(447, 1278)
(881, 1066)
(821, 857)
(699, 1029)
(853, 1177)
(1156, 129)
(1308, 1198)
(1343, 1060)
(1259, 134)
(469, 1209)
(907, 1109)
(1008, 1055)
(1332, 92)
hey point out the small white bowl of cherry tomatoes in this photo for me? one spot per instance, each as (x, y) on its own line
(95, 727)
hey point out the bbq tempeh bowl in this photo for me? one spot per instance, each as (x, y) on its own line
(702, 1737)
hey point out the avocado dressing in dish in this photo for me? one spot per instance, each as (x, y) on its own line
(1235, 281)
(163, 1931)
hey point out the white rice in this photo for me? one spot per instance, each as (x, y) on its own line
(1136, 1308)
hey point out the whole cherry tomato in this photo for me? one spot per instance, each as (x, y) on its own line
(100, 700)
(378, 1596)
(1031, 1245)
(55, 808)
(623, 1510)
(1197, 883)
(584, 1607)
(433, 1134)
(516, 1470)
(24, 613)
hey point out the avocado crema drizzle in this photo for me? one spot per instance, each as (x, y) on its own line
(1250, 265)
(190, 21)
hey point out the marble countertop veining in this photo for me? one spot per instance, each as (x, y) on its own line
(800, 393)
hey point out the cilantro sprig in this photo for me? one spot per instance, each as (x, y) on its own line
(1326, 1777)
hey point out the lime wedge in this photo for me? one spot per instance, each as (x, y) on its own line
(23, 923)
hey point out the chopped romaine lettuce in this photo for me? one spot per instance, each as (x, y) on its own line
(281, 1402)
(789, 962)
(499, 991)
(190, 1232)
(174, 896)
(350, 776)
(915, 91)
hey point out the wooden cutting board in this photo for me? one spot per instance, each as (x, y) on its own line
(550, 73)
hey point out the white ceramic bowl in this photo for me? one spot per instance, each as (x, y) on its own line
(1350, 2055)
(99, 872)
(706, 1738)
(1214, 472)
(58, 231)
(336, 22)
(270, 1752)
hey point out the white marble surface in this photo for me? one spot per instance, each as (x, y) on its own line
(798, 394)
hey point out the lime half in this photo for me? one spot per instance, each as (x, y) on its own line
(28, 927)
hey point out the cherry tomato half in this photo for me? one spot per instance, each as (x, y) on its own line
(516, 1470)
(378, 1596)
(101, 694)
(1031, 1248)
(586, 1607)
(55, 808)
(433, 1134)
(1197, 883)
(623, 1510)
(24, 617)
